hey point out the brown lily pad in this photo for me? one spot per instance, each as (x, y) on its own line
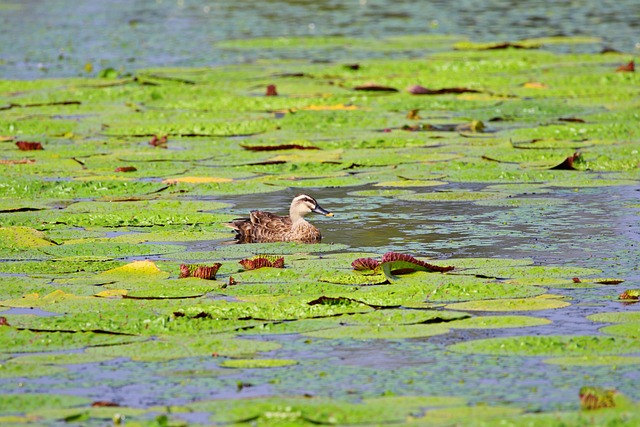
(261, 261)
(568, 163)
(29, 146)
(629, 67)
(372, 87)
(278, 147)
(271, 91)
(126, 169)
(421, 90)
(199, 271)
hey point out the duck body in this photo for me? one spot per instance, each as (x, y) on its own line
(263, 227)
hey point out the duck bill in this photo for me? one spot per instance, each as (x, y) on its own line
(320, 210)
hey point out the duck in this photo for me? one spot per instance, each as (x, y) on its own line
(263, 227)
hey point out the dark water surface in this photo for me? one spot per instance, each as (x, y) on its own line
(54, 38)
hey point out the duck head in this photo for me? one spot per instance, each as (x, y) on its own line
(304, 204)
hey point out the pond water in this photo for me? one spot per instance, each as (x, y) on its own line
(576, 227)
(55, 38)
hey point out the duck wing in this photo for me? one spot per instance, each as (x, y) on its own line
(268, 227)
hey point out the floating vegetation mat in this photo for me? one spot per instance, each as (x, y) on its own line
(481, 194)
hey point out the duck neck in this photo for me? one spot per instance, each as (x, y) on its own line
(295, 216)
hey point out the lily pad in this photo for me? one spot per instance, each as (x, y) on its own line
(182, 347)
(629, 330)
(588, 360)
(27, 402)
(15, 370)
(616, 317)
(498, 322)
(552, 345)
(510, 304)
(257, 363)
(381, 332)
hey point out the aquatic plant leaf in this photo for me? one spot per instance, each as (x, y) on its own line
(570, 162)
(597, 398)
(421, 90)
(20, 238)
(271, 90)
(29, 146)
(629, 67)
(207, 272)
(499, 322)
(480, 414)
(159, 141)
(24, 341)
(15, 370)
(405, 317)
(27, 402)
(356, 279)
(373, 87)
(381, 332)
(261, 261)
(197, 179)
(397, 263)
(59, 359)
(523, 44)
(257, 363)
(616, 317)
(630, 294)
(629, 330)
(510, 304)
(594, 360)
(550, 345)
(125, 169)
(365, 265)
(278, 147)
(146, 269)
(179, 347)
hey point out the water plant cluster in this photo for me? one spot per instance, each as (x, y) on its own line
(117, 273)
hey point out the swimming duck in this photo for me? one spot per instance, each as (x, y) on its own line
(263, 227)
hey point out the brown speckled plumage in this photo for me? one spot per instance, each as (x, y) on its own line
(262, 227)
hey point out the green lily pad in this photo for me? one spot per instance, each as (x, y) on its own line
(589, 360)
(629, 330)
(463, 414)
(16, 370)
(381, 332)
(553, 345)
(510, 304)
(616, 317)
(498, 322)
(59, 359)
(16, 341)
(257, 363)
(182, 347)
(17, 238)
(536, 271)
(27, 402)
(403, 317)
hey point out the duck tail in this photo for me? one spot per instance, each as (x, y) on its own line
(241, 227)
